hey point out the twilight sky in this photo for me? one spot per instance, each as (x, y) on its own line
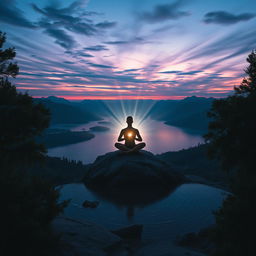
(149, 49)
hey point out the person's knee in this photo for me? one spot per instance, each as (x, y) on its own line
(141, 145)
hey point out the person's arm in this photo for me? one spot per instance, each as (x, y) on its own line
(138, 137)
(120, 137)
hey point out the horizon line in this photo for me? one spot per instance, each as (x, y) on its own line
(120, 97)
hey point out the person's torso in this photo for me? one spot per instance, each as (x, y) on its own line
(129, 136)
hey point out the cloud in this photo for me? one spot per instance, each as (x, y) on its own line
(59, 17)
(132, 70)
(117, 42)
(69, 62)
(79, 54)
(170, 72)
(189, 73)
(130, 41)
(83, 54)
(164, 12)
(62, 38)
(231, 45)
(226, 18)
(96, 48)
(106, 24)
(99, 65)
(69, 19)
(10, 14)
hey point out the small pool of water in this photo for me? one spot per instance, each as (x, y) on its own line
(187, 209)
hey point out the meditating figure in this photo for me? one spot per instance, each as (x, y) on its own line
(129, 135)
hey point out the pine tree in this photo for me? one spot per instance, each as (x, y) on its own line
(232, 139)
(248, 85)
(7, 67)
(20, 118)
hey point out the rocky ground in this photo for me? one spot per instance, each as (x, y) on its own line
(86, 238)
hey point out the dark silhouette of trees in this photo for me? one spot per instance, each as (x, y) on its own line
(248, 85)
(28, 204)
(7, 67)
(21, 120)
(232, 139)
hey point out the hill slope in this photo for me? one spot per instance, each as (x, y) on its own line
(67, 113)
(189, 113)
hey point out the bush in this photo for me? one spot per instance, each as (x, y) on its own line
(29, 204)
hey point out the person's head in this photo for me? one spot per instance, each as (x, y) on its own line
(129, 120)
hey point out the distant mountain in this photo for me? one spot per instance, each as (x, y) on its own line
(189, 113)
(58, 100)
(97, 107)
(67, 112)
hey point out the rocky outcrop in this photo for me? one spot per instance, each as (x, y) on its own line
(83, 238)
(119, 170)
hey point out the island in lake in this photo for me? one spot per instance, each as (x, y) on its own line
(99, 129)
(60, 137)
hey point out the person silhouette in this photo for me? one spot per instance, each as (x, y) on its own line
(129, 135)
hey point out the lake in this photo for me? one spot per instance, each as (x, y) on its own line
(158, 136)
(187, 209)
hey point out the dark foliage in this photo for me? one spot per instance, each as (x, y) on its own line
(21, 120)
(198, 164)
(29, 204)
(248, 85)
(7, 67)
(59, 171)
(28, 207)
(232, 139)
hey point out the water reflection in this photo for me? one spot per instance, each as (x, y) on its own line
(186, 209)
(130, 199)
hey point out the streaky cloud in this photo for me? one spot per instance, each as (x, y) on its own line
(99, 65)
(69, 19)
(96, 48)
(10, 14)
(62, 38)
(226, 18)
(164, 12)
(106, 24)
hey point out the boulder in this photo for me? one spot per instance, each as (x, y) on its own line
(119, 170)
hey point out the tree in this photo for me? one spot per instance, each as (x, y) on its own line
(248, 85)
(7, 68)
(20, 118)
(232, 139)
(29, 204)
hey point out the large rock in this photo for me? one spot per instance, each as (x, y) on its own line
(119, 170)
(79, 238)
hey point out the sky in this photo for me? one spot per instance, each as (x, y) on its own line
(129, 49)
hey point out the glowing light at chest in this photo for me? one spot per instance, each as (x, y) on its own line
(129, 134)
